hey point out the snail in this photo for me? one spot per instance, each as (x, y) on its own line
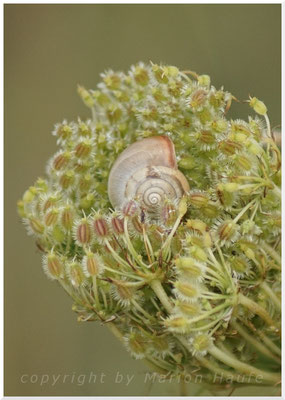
(146, 171)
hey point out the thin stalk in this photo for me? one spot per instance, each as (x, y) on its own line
(104, 298)
(223, 373)
(205, 327)
(113, 328)
(244, 210)
(208, 313)
(95, 291)
(243, 367)
(269, 343)
(224, 265)
(122, 273)
(251, 339)
(254, 211)
(256, 309)
(273, 253)
(119, 259)
(263, 337)
(161, 294)
(166, 245)
(130, 246)
(148, 246)
(269, 134)
(225, 349)
(271, 294)
(145, 313)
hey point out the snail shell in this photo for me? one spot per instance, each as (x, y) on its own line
(147, 171)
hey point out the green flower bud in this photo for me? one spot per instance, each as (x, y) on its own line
(85, 96)
(204, 80)
(258, 106)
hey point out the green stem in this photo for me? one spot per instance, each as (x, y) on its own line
(95, 291)
(115, 255)
(167, 243)
(269, 343)
(113, 328)
(256, 309)
(212, 311)
(161, 294)
(131, 248)
(271, 294)
(243, 367)
(269, 134)
(244, 210)
(145, 313)
(223, 373)
(250, 339)
(273, 254)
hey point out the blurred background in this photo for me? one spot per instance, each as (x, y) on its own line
(49, 49)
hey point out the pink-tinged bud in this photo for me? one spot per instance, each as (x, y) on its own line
(130, 208)
(67, 218)
(50, 202)
(53, 266)
(83, 149)
(100, 227)
(197, 225)
(227, 230)
(243, 162)
(198, 98)
(198, 199)
(92, 264)
(137, 224)
(229, 147)
(118, 225)
(67, 179)
(51, 217)
(83, 232)
(207, 137)
(61, 160)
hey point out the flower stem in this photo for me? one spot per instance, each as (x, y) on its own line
(251, 339)
(243, 367)
(273, 254)
(256, 309)
(223, 373)
(95, 291)
(244, 210)
(160, 292)
(271, 294)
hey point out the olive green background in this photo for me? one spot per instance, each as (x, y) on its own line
(49, 49)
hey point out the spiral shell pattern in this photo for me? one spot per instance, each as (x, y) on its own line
(147, 171)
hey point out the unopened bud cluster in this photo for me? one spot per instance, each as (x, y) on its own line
(186, 288)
